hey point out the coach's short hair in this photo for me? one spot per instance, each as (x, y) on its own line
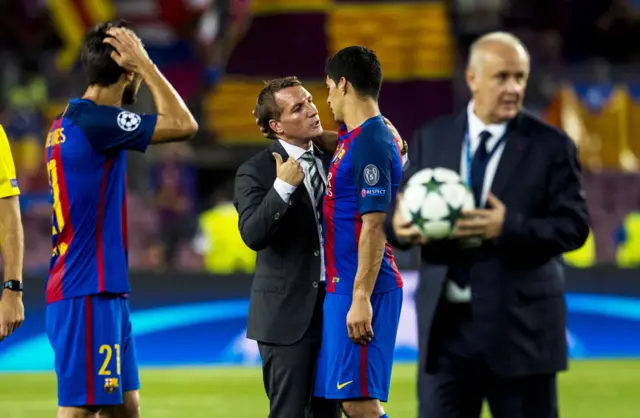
(99, 68)
(359, 66)
(266, 106)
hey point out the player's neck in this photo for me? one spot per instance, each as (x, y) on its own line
(358, 111)
(105, 96)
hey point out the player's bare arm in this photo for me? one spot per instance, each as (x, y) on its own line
(12, 249)
(370, 253)
(175, 121)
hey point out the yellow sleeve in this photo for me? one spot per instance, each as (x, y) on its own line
(8, 180)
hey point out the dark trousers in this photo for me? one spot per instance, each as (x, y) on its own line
(288, 373)
(459, 380)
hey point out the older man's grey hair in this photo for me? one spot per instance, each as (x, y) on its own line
(483, 44)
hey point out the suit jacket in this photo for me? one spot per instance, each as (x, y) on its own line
(285, 236)
(517, 280)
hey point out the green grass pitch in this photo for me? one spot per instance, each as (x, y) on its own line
(591, 389)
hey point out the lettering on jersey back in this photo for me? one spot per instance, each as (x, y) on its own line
(56, 137)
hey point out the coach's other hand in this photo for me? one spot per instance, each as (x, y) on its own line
(359, 319)
(11, 313)
(483, 223)
(290, 172)
(404, 230)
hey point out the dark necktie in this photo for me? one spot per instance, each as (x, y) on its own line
(479, 166)
(460, 273)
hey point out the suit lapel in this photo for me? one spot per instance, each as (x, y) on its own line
(450, 148)
(277, 147)
(514, 149)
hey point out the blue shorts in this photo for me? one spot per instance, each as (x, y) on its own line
(95, 355)
(347, 370)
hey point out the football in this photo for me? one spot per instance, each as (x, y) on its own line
(434, 199)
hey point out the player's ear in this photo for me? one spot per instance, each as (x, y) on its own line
(342, 85)
(470, 76)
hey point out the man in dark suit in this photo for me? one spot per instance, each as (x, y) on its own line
(282, 222)
(490, 301)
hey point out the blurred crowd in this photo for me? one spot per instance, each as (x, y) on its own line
(180, 210)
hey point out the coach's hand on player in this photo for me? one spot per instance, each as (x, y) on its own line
(483, 223)
(404, 148)
(129, 51)
(290, 172)
(11, 313)
(359, 319)
(405, 231)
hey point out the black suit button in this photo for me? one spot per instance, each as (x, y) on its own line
(315, 284)
(316, 253)
(277, 216)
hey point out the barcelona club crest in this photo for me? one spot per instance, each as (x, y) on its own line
(111, 384)
(339, 154)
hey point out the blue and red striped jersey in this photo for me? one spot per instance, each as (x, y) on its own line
(86, 162)
(364, 177)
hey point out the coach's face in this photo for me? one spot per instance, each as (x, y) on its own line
(335, 98)
(497, 78)
(298, 117)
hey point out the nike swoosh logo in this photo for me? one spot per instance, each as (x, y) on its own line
(341, 385)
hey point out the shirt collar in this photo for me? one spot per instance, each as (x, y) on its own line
(294, 151)
(476, 126)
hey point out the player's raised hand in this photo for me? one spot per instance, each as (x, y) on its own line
(359, 319)
(11, 313)
(129, 51)
(290, 172)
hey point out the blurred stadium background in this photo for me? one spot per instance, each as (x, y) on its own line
(190, 269)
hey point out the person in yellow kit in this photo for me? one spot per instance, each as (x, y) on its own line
(628, 241)
(219, 240)
(11, 243)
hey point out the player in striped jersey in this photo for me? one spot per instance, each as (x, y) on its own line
(87, 316)
(364, 287)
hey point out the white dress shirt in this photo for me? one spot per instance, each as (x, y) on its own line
(285, 190)
(475, 127)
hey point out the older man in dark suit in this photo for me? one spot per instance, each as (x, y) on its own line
(490, 301)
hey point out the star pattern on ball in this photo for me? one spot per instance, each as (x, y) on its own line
(432, 185)
(454, 215)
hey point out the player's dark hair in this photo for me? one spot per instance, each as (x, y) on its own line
(266, 106)
(359, 66)
(95, 55)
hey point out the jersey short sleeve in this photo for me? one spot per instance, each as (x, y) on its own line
(8, 180)
(371, 169)
(111, 129)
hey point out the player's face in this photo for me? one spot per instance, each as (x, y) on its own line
(130, 93)
(299, 117)
(335, 99)
(498, 82)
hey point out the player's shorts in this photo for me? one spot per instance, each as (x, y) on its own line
(347, 370)
(95, 355)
